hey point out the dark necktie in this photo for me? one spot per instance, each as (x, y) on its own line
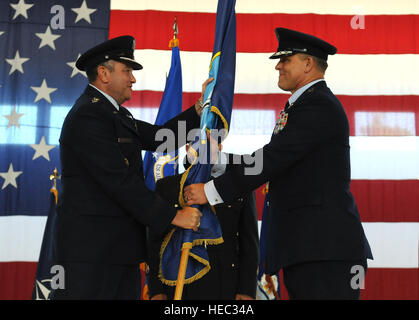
(287, 105)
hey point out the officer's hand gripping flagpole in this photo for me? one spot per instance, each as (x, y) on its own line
(217, 105)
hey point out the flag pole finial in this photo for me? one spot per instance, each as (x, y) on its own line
(175, 41)
(54, 176)
(175, 29)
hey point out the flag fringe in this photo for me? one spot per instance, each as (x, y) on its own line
(196, 242)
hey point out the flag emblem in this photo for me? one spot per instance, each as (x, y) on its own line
(159, 165)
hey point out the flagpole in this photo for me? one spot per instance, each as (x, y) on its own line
(185, 250)
(181, 274)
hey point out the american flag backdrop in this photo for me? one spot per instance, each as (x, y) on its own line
(374, 74)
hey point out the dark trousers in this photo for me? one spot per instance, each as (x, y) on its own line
(324, 280)
(89, 281)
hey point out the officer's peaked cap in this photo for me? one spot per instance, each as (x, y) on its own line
(291, 42)
(119, 49)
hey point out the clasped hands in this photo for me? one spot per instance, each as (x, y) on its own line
(189, 217)
(195, 194)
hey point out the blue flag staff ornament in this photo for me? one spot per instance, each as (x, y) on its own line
(217, 108)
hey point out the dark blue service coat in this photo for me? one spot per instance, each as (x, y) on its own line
(105, 205)
(312, 214)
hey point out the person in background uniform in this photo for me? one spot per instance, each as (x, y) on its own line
(234, 263)
(105, 206)
(314, 232)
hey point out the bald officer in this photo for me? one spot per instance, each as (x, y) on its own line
(314, 231)
(105, 206)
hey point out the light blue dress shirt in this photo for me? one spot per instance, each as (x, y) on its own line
(111, 100)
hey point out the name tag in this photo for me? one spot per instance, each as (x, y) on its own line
(124, 140)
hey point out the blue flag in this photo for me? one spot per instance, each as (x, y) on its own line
(267, 285)
(44, 273)
(158, 165)
(218, 103)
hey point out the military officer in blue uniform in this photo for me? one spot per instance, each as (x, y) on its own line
(105, 207)
(314, 232)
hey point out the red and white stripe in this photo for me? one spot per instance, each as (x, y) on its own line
(374, 75)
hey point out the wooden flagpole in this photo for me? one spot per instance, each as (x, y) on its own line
(181, 274)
